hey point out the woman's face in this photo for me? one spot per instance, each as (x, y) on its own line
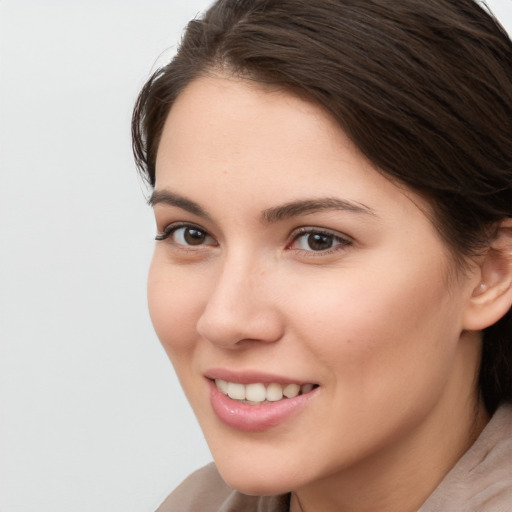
(288, 263)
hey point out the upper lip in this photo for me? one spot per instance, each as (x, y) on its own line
(251, 376)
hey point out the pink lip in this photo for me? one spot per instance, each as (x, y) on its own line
(249, 377)
(255, 418)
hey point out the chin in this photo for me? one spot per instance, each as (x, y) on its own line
(254, 483)
(259, 475)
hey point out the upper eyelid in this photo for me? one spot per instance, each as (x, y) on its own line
(183, 224)
(316, 229)
(344, 241)
(170, 228)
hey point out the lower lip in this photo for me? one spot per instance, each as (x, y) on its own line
(255, 418)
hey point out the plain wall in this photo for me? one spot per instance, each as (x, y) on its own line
(92, 418)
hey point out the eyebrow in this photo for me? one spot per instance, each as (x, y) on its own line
(270, 215)
(309, 206)
(172, 199)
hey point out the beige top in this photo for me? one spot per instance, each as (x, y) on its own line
(480, 482)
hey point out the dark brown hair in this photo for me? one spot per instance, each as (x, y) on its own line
(423, 88)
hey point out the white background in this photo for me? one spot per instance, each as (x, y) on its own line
(92, 418)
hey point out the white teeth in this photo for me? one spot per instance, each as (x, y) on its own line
(236, 391)
(222, 385)
(258, 393)
(274, 392)
(255, 392)
(291, 390)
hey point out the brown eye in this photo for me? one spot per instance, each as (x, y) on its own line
(193, 236)
(319, 242)
(188, 236)
(312, 240)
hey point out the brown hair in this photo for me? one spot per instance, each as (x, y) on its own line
(423, 88)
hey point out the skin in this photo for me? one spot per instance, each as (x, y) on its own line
(378, 321)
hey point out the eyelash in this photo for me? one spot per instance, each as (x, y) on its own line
(341, 242)
(171, 229)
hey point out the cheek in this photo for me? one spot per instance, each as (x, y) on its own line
(379, 327)
(174, 306)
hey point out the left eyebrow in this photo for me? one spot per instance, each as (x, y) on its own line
(309, 206)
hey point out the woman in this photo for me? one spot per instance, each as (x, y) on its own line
(332, 278)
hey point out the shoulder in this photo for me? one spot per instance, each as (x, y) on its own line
(202, 490)
(205, 491)
(482, 479)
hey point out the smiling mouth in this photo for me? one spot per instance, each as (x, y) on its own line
(259, 393)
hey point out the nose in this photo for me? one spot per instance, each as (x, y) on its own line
(241, 307)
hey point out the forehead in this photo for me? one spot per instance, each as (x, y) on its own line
(244, 112)
(259, 142)
(239, 124)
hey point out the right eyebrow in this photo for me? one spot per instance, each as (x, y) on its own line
(172, 199)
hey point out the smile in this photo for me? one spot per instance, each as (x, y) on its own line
(259, 393)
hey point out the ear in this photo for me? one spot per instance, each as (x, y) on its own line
(492, 296)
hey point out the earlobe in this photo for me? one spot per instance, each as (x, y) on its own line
(492, 297)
